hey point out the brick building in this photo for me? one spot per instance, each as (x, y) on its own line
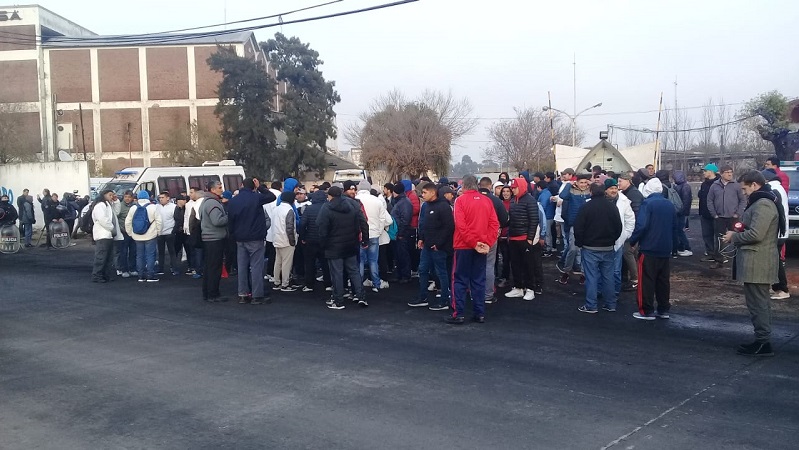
(117, 98)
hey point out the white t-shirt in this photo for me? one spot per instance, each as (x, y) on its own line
(559, 208)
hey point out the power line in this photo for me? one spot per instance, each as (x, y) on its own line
(166, 38)
(709, 127)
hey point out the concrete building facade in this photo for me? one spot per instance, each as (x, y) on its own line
(115, 99)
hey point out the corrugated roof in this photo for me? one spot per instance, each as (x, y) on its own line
(149, 40)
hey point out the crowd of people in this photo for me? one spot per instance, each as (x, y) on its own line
(611, 232)
(65, 210)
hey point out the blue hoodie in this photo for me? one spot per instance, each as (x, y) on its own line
(654, 226)
(288, 186)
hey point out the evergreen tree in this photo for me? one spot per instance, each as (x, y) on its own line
(245, 108)
(307, 115)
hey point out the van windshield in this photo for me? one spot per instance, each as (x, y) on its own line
(119, 187)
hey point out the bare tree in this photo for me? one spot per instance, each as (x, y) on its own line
(632, 137)
(193, 144)
(525, 142)
(411, 136)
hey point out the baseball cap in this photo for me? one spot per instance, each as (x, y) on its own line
(712, 167)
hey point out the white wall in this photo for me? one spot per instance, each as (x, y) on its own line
(59, 177)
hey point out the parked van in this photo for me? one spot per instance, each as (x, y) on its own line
(357, 175)
(176, 179)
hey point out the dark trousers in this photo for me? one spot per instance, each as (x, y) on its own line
(231, 255)
(721, 226)
(782, 284)
(126, 259)
(182, 244)
(653, 284)
(214, 253)
(270, 256)
(166, 245)
(311, 253)
(298, 264)
(402, 252)
(759, 305)
(707, 235)
(385, 261)
(103, 267)
(521, 263)
(503, 259)
(341, 267)
(415, 252)
(468, 274)
(679, 239)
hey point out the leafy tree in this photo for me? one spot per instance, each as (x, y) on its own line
(308, 119)
(245, 110)
(773, 107)
(192, 145)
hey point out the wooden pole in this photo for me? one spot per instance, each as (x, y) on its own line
(82, 132)
(656, 161)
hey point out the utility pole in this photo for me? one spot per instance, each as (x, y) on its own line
(574, 107)
(676, 116)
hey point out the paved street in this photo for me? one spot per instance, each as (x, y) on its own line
(129, 365)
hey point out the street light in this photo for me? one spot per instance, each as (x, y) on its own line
(573, 118)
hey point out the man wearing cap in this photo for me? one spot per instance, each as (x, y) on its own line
(627, 216)
(628, 189)
(725, 202)
(145, 242)
(340, 224)
(709, 176)
(378, 218)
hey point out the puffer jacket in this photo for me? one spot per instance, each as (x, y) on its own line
(402, 212)
(284, 223)
(704, 189)
(523, 224)
(684, 190)
(309, 228)
(573, 201)
(106, 225)
(340, 225)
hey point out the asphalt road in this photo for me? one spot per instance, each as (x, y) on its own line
(139, 366)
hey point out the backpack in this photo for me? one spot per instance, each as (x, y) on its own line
(87, 222)
(674, 198)
(141, 220)
(392, 231)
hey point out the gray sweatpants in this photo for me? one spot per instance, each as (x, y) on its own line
(250, 259)
(758, 302)
(491, 262)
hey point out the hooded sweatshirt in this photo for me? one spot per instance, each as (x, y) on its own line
(284, 222)
(684, 190)
(654, 225)
(416, 204)
(152, 215)
(309, 229)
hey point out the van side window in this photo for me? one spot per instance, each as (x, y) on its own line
(149, 187)
(174, 185)
(201, 181)
(232, 182)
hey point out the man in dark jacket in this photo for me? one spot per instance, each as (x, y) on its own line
(523, 237)
(343, 230)
(630, 265)
(710, 175)
(312, 245)
(596, 229)
(436, 229)
(20, 207)
(681, 245)
(247, 225)
(402, 212)
(27, 217)
(491, 259)
(654, 231)
(726, 202)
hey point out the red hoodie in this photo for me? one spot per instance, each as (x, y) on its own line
(784, 181)
(475, 221)
(417, 206)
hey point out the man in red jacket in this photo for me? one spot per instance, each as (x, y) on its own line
(773, 163)
(476, 230)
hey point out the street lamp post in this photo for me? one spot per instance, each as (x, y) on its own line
(573, 118)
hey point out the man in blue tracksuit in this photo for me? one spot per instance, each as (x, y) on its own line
(654, 233)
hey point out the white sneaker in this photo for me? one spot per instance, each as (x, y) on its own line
(383, 284)
(685, 253)
(320, 278)
(780, 295)
(125, 274)
(329, 289)
(515, 293)
(119, 273)
(529, 295)
(367, 283)
(374, 289)
(431, 287)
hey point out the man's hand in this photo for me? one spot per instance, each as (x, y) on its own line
(529, 242)
(420, 245)
(728, 236)
(482, 248)
(257, 183)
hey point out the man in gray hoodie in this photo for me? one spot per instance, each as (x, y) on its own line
(725, 202)
(213, 225)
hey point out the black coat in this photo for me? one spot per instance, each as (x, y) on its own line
(636, 198)
(309, 228)
(598, 224)
(523, 217)
(342, 229)
(499, 208)
(438, 225)
(702, 196)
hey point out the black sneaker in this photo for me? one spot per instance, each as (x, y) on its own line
(491, 300)
(335, 305)
(454, 320)
(608, 309)
(244, 299)
(664, 315)
(630, 286)
(438, 307)
(583, 309)
(756, 349)
(479, 319)
(288, 289)
(260, 300)
(362, 303)
(417, 303)
(563, 279)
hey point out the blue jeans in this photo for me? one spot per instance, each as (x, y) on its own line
(436, 260)
(402, 253)
(27, 232)
(126, 259)
(680, 239)
(146, 251)
(469, 274)
(371, 255)
(617, 259)
(598, 269)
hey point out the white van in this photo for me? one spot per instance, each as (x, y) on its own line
(351, 174)
(176, 179)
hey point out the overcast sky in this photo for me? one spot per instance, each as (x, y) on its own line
(503, 54)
